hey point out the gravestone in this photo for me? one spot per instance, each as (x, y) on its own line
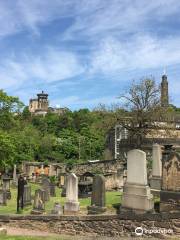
(39, 202)
(52, 189)
(6, 185)
(136, 193)
(156, 179)
(58, 210)
(170, 193)
(98, 196)
(27, 195)
(72, 204)
(46, 187)
(3, 198)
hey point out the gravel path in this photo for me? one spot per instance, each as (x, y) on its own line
(26, 232)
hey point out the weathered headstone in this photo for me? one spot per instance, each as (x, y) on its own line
(156, 179)
(98, 196)
(58, 210)
(27, 195)
(46, 187)
(136, 192)
(170, 193)
(39, 202)
(52, 189)
(3, 198)
(72, 204)
(6, 185)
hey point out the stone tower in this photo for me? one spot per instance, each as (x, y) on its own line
(40, 104)
(164, 92)
(42, 101)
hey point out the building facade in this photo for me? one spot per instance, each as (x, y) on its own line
(40, 106)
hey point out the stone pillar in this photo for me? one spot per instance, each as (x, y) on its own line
(72, 204)
(15, 180)
(50, 170)
(136, 192)
(98, 196)
(155, 181)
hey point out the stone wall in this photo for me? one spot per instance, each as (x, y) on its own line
(111, 169)
(98, 225)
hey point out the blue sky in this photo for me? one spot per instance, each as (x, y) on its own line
(86, 52)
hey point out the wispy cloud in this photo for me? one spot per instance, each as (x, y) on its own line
(140, 52)
(50, 66)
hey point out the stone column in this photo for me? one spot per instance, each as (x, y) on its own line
(72, 204)
(136, 192)
(98, 196)
(156, 179)
(15, 180)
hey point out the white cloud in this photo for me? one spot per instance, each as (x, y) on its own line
(50, 66)
(78, 101)
(140, 52)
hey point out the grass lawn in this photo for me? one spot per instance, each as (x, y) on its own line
(112, 198)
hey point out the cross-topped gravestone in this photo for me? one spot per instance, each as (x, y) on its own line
(98, 196)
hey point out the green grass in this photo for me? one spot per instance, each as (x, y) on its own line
(112, 198)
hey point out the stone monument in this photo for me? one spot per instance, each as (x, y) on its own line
(156, 179)
(3, 198)
(72, 204)
(39, 202)
(27, 195)
(170, 193)
(46, 187)
(98, 196)
(57, 210)
(136, 193)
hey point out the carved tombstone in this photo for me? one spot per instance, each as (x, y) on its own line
(27, 195)
(170, 193)
(98, 196)
(39, 202)
(136, 192)
(156, 179)
(3, 198)
(46, 187)
(72, 204)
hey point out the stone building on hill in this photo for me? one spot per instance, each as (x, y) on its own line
(40, 105)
